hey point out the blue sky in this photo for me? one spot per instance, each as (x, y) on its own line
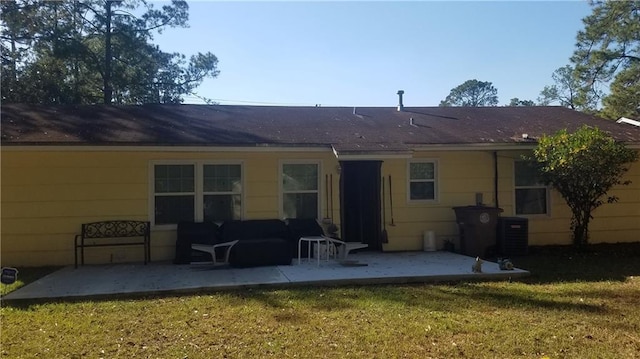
(361, 53)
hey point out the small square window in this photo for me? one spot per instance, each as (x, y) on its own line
(422, 181)
(531, 196)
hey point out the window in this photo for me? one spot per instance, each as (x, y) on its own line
(196, 192)
(222, 192)
(422, 181)
(300, 190)
(531, 195)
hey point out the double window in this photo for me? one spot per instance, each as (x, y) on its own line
(300, 184)
(532, 196)
(196, 192)
(422, 181)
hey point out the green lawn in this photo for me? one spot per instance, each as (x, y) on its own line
(575, 305)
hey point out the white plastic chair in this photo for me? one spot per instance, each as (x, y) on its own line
(209, 248)
(343, 248)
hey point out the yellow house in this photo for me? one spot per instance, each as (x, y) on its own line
(365, 169)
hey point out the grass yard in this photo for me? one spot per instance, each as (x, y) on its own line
(575, 305)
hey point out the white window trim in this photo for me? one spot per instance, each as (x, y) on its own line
(199, 188)
(547, 194)
(203, 193)
(319, 184)
(436, 181)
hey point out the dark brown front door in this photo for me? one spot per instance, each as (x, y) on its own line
(360, 202)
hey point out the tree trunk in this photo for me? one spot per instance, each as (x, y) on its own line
(580, 226)
(107, 56)
(13, 77)
(77, 98)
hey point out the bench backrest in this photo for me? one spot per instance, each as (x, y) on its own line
(116, 229)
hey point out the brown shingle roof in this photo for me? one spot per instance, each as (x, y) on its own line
(375, 129)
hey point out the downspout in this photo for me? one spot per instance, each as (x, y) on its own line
(495, 177)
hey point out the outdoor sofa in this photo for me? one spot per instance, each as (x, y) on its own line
(250, 243)
(261, 242)
(247, 243)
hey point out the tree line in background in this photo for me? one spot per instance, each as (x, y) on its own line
(95, 51)
(607, 53)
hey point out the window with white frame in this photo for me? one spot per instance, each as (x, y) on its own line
(532, 197)
(300, 183)
(422, 181)
(222, 192)
(175, 193)
(196, 192)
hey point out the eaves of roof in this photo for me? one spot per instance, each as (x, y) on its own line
(371, 130)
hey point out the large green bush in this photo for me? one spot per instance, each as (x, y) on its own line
(583, 166)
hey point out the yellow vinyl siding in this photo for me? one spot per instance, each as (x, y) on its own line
(462, 174)
(75, 192)
(30, 250)
(612, 222)
(261, 187)
(47, 195)
(619, 221)
(124, 208)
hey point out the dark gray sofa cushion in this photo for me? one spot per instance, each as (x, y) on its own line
(194, 232)
(261, 242)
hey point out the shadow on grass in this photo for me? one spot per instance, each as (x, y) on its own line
(548, 265)
(601, 262)
(444, 298)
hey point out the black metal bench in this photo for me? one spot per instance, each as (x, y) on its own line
(101, 232)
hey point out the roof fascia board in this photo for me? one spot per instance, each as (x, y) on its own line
(346, 156)
(129, 148)
(490, 147)
(373, 156)
(476, 146)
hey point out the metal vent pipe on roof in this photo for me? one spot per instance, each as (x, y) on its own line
(400, 105)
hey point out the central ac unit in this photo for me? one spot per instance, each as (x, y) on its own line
(513, 236)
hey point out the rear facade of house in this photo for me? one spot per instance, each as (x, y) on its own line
(364, 169)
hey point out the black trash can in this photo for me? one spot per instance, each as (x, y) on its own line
(478, 229)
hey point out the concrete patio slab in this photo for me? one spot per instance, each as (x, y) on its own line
(156, 278)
